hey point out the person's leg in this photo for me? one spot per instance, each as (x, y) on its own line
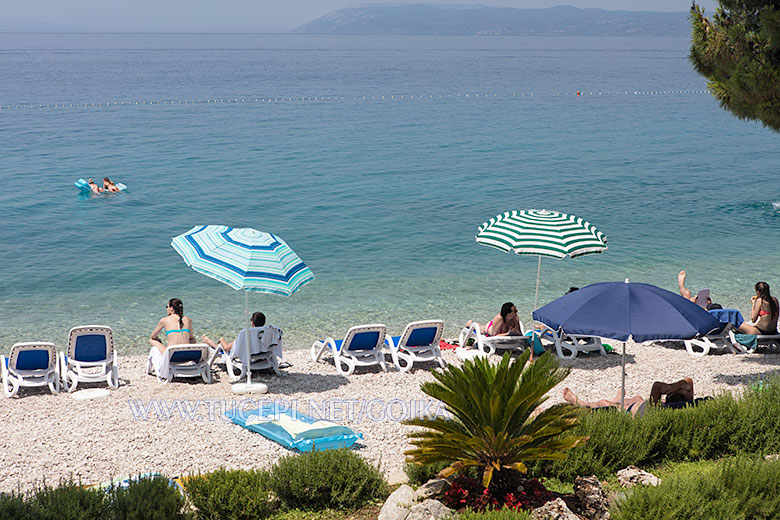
(683, 388)
(225, 345)
(205, 339)
(747, 328)
(633, 405)
(571, 398)
(684, 291)
(158, 345)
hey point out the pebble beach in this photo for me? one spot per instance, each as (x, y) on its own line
(177, 428)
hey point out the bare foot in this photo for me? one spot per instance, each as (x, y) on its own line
(468, 324)
(205, 339)
(570, 398)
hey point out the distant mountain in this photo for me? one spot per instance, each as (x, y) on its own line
(453, 20)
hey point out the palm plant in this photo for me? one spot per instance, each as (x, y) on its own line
(493, 425)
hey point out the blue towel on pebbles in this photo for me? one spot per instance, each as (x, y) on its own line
(748, 340)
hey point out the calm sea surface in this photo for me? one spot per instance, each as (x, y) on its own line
(381, 197)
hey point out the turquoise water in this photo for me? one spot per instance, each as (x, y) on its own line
(380, 197)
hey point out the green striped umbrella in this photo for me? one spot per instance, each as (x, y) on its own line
(542, 233)
(244, 258)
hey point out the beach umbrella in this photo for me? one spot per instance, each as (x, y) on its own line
(623, 310)
(542, 233)
(245, 259)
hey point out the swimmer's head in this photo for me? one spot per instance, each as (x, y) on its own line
(106, 179)
(91, 181)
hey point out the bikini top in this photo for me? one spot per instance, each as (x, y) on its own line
(177, 330)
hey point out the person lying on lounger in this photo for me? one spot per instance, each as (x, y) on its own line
(505, 323)
(763, 313)
(677, 394)
(258, 320)
(178, 327)
(704, 294)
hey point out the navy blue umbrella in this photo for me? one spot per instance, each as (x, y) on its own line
(623, 310)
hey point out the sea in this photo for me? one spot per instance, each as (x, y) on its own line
(375, 159)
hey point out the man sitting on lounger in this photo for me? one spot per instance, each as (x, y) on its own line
(258, 320)
(677, 394)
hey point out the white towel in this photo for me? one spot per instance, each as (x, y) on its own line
(161, 363)
(261, 339)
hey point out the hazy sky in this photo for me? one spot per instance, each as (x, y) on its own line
(248, 15)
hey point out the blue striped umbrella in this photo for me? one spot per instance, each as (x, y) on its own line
(243, 258)
(247, 259)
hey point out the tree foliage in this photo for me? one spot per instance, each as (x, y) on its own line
(738, 51)
(493, 425)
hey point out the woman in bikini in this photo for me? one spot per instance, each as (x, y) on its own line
(178, 327)
(108, 185)
(763, 313)
(505, 323)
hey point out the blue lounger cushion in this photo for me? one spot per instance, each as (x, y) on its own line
(292, 429)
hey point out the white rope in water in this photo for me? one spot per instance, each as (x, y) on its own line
(403, 97)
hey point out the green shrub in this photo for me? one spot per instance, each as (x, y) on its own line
(337, 479)
(499, 514)
(231, 495)
(13, 506)
(736, 489)
(68, 501)
(419, 474)
(720, 427)
(146, 499)
(493, 425)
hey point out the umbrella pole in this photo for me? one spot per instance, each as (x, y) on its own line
(536, 303)
(623, 378)
(246, 321)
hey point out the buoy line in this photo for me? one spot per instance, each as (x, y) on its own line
(319, 99)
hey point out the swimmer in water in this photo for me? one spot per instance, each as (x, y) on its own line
(108, 185)
(94, 187)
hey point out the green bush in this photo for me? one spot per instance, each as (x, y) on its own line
(337, 479)
(146, 499)
(499, 514)
(720, 427)
(12, 505)
(231, 494)
(68, 501)
(737, 489)
(419, 474)
(493, 424)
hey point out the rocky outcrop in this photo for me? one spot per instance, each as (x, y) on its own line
(430, 510)
(592, 498)
(432, 488)
(554, 510)
(398, 504)
(632, 475)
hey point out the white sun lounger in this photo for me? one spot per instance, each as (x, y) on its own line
(419, 342)
(30, 364)
(265, 349)
(190, 360)
(90, 357)
(490, 344)
(567, 346)
(770, 340)
(362, 346)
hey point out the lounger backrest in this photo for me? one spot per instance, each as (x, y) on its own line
(365, 337)
(195, 353)
(422, 333)
(32, 356)
(90, 343)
